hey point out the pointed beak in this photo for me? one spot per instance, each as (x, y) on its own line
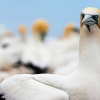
(89, 19)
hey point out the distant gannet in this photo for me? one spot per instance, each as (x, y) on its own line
(64, 51)
(35, 55)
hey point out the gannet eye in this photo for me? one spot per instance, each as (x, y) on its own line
(95, 17)
(83, 15)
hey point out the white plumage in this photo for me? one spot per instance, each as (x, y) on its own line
(64, 51)
(9, 52)
(35, 54)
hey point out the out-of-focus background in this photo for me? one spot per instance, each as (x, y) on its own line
(57, 12)
(40, 36)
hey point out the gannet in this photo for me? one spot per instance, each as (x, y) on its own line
(82, 84)
(22, 33)
(65, 50)
(9, 52)
(70, 30)
(35, 55)
(3, 75)
(21, 41)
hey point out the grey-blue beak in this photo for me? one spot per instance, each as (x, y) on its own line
(88, 19)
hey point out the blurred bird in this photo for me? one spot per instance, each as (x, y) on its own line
(40, 29)
(22, 31)
(64, 51)
(69, 31)
(35, 55)
(9, 52)
(82, 84)
(21, 41)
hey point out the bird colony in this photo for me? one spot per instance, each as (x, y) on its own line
(61, 68)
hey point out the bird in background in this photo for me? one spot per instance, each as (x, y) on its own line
(22, 40)
(40, 29)
(22, 33)
(36, 56)
(10, 52)
(64, 51)
(20, 63)
(70, 39)
(70, 30)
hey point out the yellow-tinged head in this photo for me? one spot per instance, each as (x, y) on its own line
(69, 29)
(22, 29)
(40, 28)
(90, 16)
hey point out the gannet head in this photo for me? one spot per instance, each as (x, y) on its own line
(40, 28)
(70, 28)
(22, 29)
(90, 16)
(22, 32)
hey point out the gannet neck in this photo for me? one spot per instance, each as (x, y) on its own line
(22, 38)
(89, 50)
(38, 37)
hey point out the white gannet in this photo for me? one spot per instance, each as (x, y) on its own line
(82, 84)
(70, 30)
(9, 53)
(64, 50)
(35, 55)
(22, 33)
(21, 41)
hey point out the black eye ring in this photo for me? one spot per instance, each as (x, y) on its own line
(95, 17)
(83, 15)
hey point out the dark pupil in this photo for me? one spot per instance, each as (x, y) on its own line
(82, 15)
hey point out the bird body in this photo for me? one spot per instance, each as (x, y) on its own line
(35, 55)
(64, 52)
(9, 52)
